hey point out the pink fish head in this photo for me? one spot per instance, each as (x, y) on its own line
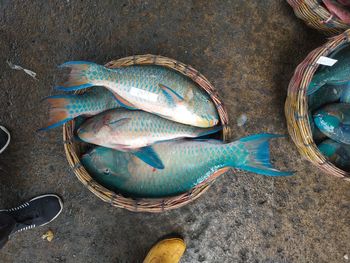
(94, 130)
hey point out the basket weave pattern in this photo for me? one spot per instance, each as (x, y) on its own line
(73, 149)
(315, 15)
(296, 107)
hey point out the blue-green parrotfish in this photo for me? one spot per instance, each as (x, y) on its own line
(187, 163)
(154, 89)
(338, 74)
(334, 121)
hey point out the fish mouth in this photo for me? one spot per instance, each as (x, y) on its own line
(84, 134)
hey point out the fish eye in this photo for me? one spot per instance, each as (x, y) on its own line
(106, 171)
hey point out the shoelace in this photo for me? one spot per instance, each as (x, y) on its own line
(25, 228)
(18, 207)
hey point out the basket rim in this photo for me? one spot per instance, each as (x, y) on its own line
(153, 205)
(296, 107)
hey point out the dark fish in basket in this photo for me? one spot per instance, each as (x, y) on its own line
(154, 89)
(334, 121)
(187, 164)
(64, 108)
(338, 74)
(136, 131)
(329, 94)
(337, 153)
(325, 95)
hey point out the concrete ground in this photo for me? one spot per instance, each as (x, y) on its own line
(249, 50)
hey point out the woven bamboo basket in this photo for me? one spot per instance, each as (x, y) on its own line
(296, 107)
(317, 16)
(73, 149)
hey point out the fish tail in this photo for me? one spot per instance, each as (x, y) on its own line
(79, 76)
(258, 160)
(58, 111)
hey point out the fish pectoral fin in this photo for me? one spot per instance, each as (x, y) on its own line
(149, 156)
(119, 123)
(171, 95)
(124, 103)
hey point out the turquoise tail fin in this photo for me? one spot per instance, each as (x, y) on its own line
(77, 78)
(258, 160)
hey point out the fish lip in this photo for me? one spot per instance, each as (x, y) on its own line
(204, 122)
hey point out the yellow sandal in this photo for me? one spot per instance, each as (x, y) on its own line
(168, 250)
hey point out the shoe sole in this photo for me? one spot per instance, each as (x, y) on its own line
(9, 138)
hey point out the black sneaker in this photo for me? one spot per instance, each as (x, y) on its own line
(4, 138)
(39, 211)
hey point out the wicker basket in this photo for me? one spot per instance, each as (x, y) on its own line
(73, 149)
(317, 16)
(296, 107)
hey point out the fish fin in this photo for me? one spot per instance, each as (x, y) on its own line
(57, 124)
(77, 79)
(258, 160)
(171, 95)
(124, 103)
(204, 132)
(120, 122)
(149, 156)
(58, 112)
